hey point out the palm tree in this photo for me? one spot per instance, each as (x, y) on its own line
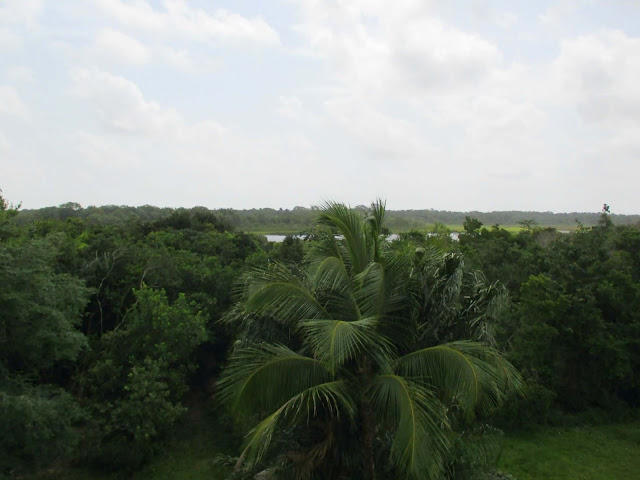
(352, 356)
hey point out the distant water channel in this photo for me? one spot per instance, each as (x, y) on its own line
(392, 237)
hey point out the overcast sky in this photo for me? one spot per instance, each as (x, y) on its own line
(452, 105)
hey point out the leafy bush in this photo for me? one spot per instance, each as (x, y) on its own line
(534, 407)
(35, 426)
(138, 377)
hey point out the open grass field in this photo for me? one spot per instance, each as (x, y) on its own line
(603, 452)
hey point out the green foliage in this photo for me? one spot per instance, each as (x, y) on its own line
(536, 406)
(36, 425)
(137, 378)
(471, 225)
(475, 453)
(576, 310)
(579, 323)
(356, 369)
(302, 219)
(40, 309)
(290, 250)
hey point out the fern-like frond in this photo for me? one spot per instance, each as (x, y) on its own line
(263, 378)
(276, 291)
(331, 281)
(335, 342)
(373, 230)
(331, 398)
(421, 433)
(381, 288)
(348, 223)
(467, 374)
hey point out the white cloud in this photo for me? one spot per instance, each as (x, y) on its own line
(432, 54)
(185, 60)
(4, 143)
(21, 74)
(10, 102)
(21, 11)
(290, 107)
(120, 104)
(122, 47)
(599, 74)
(506, 19)
(396, 69)
(9, 40)
(382, 136)
(561, 10)
(98, 151)
(388, 51)
(180, 59)
(179, 19)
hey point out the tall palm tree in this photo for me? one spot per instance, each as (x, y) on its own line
(352, 355)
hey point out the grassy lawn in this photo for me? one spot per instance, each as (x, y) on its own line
(604, 452)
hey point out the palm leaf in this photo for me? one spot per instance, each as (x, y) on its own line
(465, 373)
(373, 232)
(348, 223)
(332, 281)
(420, 442)
(331, 398)
(276, 291)
(336, 341)
(248, 385)
(380, 288)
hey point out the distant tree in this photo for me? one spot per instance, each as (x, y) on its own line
(527, 224)
(471, 225)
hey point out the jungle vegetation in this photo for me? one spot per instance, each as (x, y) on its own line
(343, 355)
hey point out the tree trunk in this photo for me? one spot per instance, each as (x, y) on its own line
(368, 436)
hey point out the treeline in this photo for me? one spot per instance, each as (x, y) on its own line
(113, 320)
(301, 219)
(573, 322)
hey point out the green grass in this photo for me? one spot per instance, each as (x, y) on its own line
(427, 228)
(604, 452)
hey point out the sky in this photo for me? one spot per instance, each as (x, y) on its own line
(458, 105)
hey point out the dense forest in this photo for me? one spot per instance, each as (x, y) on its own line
(302, 219)
(340, 355)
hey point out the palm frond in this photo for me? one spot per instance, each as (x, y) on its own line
(373, 230)
(325, 245)
(331, 398)
(336, 341)
(467, 374)
(380, 288)
(331, 280)
(332, 274)
(420, 442)
(248, 382)
(276, 291)
(348, 223)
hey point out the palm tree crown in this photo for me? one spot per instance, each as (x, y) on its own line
(352, 356)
